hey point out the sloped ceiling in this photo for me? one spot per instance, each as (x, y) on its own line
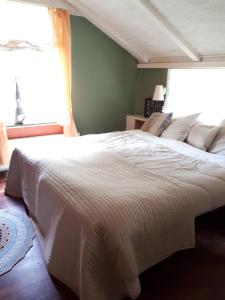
(202, 23)
(158, 30)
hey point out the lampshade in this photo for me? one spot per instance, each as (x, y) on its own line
(158, 93)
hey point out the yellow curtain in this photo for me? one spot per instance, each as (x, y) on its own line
(62, 39)
(4, 148)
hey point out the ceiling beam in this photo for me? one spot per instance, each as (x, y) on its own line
(104, 26)
(166, 28)
(184, 65)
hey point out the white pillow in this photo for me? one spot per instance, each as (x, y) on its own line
(222, 123)
(157, 122)
(201, 136)
(218, 145)
(180, 127)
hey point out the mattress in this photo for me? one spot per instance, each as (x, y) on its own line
(107, 207)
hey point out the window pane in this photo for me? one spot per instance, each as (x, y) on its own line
(194, 90)
(39, 84)
(38, 71)
(26, 22)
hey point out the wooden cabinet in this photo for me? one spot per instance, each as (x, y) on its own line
(134, 121)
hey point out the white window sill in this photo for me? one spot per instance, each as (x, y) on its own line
(25, 131)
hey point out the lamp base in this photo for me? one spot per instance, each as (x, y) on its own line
(152, 106)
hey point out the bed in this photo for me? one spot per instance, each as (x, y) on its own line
(107, 207)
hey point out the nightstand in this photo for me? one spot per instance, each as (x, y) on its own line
(134, 121)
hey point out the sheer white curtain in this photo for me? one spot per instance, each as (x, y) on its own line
(197, 90)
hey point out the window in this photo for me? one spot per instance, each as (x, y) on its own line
(197, 90)
(27, 56)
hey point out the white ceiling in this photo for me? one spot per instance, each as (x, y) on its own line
(201, 22)
(158, 30)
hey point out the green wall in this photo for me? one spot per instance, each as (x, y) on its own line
(146, 81)
(104, 79)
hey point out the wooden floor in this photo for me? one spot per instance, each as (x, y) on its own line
(196, 274)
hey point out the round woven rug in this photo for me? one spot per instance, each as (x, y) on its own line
(16, 238)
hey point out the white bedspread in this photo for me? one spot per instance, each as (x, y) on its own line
(109, 206)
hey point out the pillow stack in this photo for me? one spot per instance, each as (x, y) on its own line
(204, 137)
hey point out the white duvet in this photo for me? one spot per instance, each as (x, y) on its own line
(109, 206)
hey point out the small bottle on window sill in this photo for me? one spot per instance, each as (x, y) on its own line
(19, 115)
